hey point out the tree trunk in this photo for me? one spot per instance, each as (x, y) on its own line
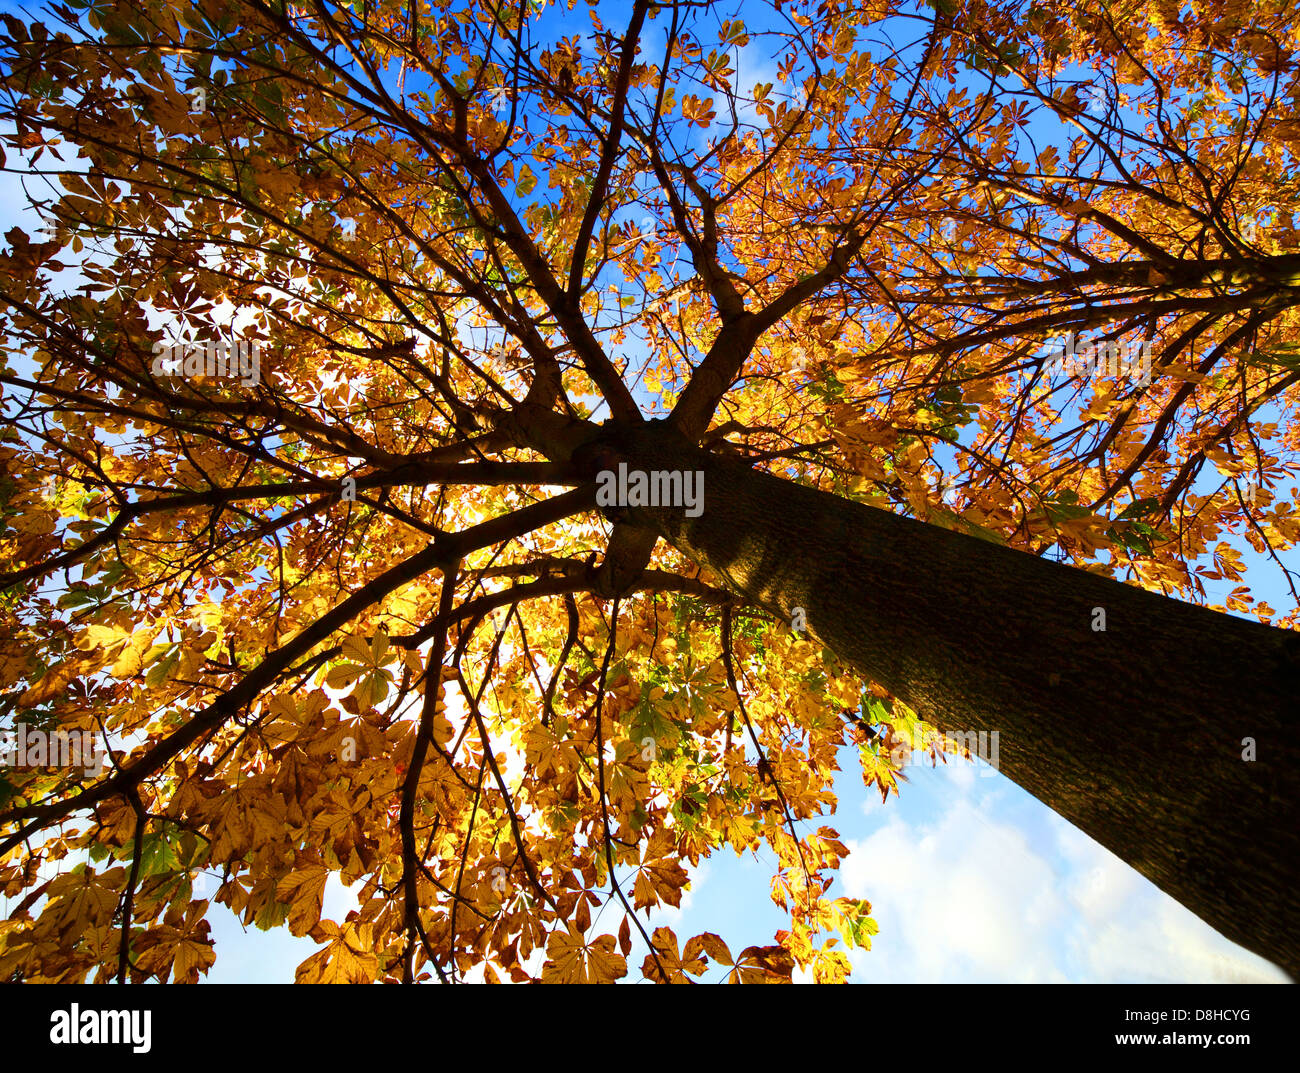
(1134, 733)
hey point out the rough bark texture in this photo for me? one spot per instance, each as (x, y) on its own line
(1134, 735)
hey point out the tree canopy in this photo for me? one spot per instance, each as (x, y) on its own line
(343, 604)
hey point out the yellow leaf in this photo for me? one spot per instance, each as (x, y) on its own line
(710, 944)
(571, 960)
(107, 637)
(304, 891)
(346, 960)
(763, 965)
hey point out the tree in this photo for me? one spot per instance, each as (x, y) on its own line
(359, 290)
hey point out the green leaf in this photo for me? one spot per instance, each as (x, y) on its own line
(271, 914)
(648, 720)
(1139, 508)
(161, 670)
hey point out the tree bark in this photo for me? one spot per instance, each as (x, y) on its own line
(1134, 734)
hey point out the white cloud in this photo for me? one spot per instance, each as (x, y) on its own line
(1129, 930)
(985, 891)
(965, 899)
